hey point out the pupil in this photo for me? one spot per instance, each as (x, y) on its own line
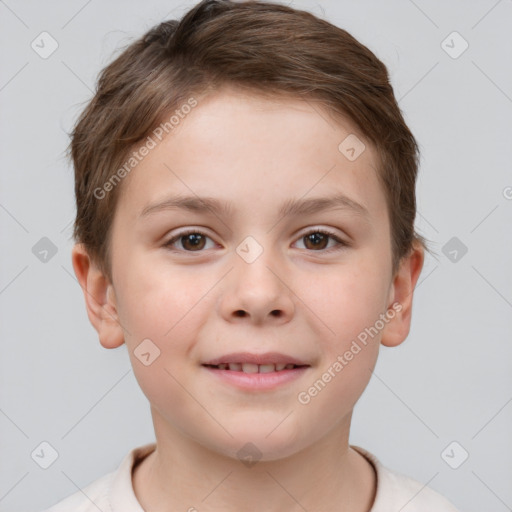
(194, 239)
(317, 239)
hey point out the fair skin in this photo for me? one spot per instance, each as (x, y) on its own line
(200, 301)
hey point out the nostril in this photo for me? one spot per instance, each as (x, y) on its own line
(241, 313)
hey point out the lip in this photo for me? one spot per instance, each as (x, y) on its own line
(257, 381)
(265, 358)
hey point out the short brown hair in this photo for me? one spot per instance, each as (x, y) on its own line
(262, 47)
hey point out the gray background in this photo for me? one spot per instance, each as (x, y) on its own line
(450, 381)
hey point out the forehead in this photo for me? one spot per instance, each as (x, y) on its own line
(255, 150)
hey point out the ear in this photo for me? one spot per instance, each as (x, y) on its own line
(99, 297)
(400, 297)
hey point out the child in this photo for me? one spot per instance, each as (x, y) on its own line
(245, 187)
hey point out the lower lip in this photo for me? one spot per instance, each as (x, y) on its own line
(258, 381)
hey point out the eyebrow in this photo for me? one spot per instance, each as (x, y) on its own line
(224, 208)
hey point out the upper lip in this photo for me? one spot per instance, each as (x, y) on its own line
(266, 358)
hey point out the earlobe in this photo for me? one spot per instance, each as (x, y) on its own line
(401, 295)
(99, 298)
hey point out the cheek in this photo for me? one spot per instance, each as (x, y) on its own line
(163, 312)
(158, 303)
(350, 307)
(350, 302)
(165, 386)
(347, 302)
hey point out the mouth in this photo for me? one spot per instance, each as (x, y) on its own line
(255, 368)
(248, 362)
(256, 372)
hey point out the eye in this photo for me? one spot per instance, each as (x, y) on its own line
(191, 241)
(317, 240)
(195, 241)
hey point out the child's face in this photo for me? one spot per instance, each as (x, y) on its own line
(203, 298)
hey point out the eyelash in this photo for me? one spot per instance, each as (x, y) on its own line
(341, 243)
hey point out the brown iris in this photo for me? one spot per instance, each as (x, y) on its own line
(319, 240)
(195, 241)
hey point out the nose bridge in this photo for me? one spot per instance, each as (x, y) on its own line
(256, 287)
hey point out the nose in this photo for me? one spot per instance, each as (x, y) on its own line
(257, 292)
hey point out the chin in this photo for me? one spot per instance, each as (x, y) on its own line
(250, 445)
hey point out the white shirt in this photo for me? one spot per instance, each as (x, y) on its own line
(114, 492)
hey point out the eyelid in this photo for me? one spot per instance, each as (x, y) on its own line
(319, 229)
(187, 231)
(341, 242)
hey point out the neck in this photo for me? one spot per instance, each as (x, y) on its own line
(184, 475)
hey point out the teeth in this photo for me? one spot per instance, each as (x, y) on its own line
(255, 368)
(249, 368)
